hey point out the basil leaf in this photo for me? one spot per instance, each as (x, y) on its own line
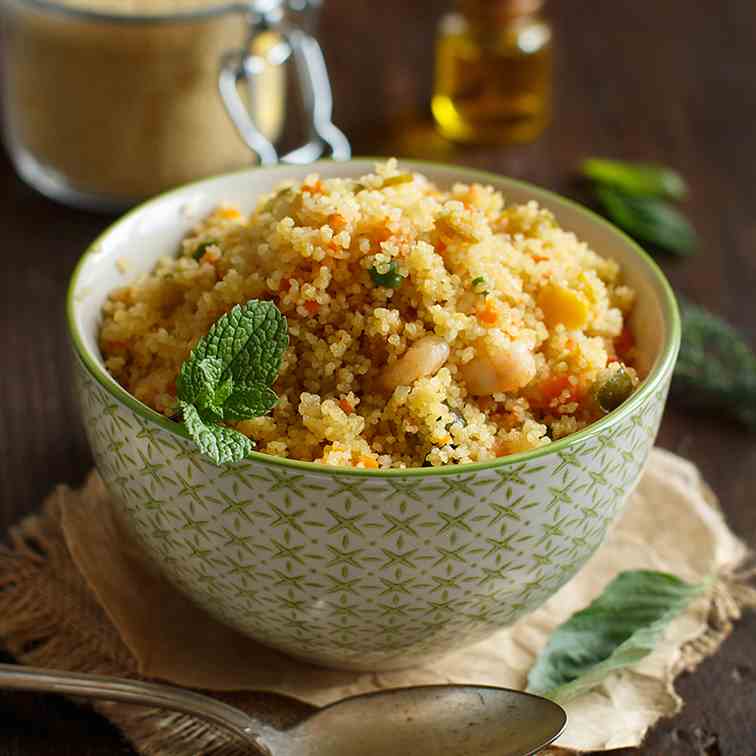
(645, 179)
(649, 220)
(221, 444)
(716, 368)
(615, 631)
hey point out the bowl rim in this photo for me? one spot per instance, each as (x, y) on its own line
(662, 367)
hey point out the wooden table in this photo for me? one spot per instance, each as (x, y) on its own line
(670, 80)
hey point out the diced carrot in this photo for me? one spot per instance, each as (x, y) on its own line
(312, 306)
(553, 387)
(624, 343)
(337, 222)
(611, 359)
(317, 188)
(368, 462)
(346, 406)
(488, 315)
(539, 258)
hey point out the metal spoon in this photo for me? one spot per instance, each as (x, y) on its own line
(432, 720)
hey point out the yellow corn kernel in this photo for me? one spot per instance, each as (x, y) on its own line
(563, 305)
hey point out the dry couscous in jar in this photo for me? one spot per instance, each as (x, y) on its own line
(107, 102)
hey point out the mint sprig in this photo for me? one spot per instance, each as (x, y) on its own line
(228, 375)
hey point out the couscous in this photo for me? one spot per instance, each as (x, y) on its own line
(426, 327)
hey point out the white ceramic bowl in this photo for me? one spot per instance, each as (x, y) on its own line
(353, 568)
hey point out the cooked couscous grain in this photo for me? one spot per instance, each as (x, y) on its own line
(426, 327)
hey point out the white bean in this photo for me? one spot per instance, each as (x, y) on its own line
(424, 358)
(498, 369)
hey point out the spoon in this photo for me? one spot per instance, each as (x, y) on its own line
(430, 720)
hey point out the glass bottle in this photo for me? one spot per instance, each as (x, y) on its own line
(493, 72)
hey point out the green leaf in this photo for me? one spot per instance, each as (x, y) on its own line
(249, 341)
(617, 630)
(226, 378)
(249, 400)
(649, 219)
(221, 444)
(644, 179)
(716, 368)
(197, 377)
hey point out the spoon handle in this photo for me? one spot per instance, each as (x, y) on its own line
(13, 677)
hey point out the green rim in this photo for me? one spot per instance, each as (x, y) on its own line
(655, 379)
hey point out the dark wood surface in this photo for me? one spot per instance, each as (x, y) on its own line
(669, 80)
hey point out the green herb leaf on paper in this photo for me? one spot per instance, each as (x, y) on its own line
(644, 179)
(228, 375)
(617, 630)
(716, 368)
(649, 219)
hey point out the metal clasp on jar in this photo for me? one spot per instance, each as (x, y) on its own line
(245, 66)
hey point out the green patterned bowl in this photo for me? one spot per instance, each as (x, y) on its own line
(361, 569)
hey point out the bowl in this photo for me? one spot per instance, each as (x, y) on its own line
(361, 569)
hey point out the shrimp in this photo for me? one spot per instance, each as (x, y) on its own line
(424, 358)
(498, 369)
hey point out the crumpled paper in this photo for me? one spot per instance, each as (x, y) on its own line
(672, 523)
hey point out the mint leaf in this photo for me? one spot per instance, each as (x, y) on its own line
(249, 341)
(221, 444)
(197, 377)
(227, 378)
(649, 219)
(211, 400)
(621, 627)
(646, 179)
(249, 400)
(716, 369)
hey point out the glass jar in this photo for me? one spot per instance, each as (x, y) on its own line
(493, 72)
(103, 109)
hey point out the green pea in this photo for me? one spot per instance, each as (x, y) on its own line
(388, 280)
(615, 390)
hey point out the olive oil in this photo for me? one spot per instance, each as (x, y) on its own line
(493, 72)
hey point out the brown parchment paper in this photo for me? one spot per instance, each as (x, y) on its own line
(135, 623)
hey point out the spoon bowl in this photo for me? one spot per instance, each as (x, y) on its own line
(431, 720)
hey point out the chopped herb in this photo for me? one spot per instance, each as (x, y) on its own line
(644, 179)
(228, 375)
(388, 280)
(200, 251)
(614, 390)
(716, 368)
(477, 283)
(400, 178)
(649, 219)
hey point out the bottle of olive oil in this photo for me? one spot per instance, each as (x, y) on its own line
(493, 72)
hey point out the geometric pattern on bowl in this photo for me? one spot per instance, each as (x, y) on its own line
(358, 572)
